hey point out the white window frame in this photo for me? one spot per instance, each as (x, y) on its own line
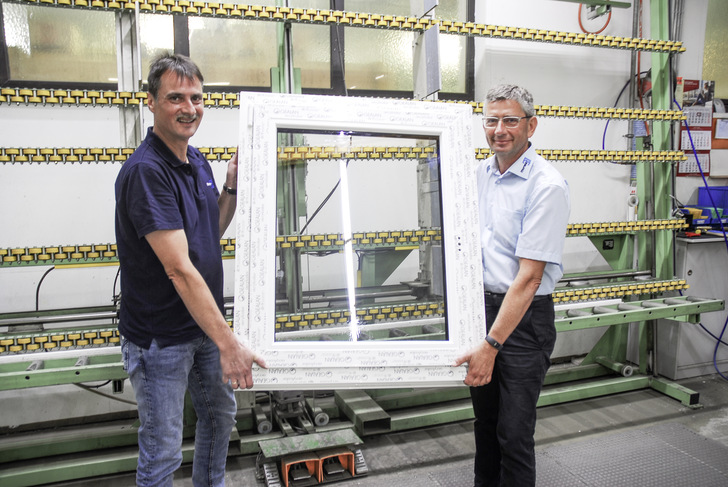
(355, 364)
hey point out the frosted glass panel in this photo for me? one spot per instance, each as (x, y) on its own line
(455, 10)
(452, 48)
(55, 44)
(383, 60)
(234, 52)
(388, 7)
(452, 63)
(378, 59)
(156, 35)
(312, 54)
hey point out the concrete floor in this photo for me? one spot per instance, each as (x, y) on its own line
(441, 456)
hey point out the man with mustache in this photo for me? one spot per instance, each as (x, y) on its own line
(175, 338)
(524, 210)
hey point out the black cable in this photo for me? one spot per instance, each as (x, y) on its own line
(346, 93)
(616, 102)
(113, 290)
(86, 386)
(341, 59)
(92, 389)
(712, 335)
(331, 193)
(37, 289)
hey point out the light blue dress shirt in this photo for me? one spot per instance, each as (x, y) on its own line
(523, 214)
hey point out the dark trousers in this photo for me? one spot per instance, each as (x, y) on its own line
(505, 409)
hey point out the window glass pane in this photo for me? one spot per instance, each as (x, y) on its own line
(452, 63)
(312, 54)
(356, 266)
(383, 59)
(156, 35)
(234, 52)
(453, 47)
(455, 10)
(388, 7)
(56, 44)
(378, 59)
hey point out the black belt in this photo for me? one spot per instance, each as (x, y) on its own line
(502, 295)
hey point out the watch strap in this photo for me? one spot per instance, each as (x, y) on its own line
(493, 343)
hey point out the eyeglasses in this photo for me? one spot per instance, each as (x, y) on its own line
(508, 122)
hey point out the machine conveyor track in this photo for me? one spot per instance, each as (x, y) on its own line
(585, 315)
(682, 308)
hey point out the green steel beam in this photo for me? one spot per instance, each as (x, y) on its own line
(623, 313)
(378, 266)
(278, 447)
(686, 396)
(575, 392)
(432, 415)
(407, 398)
(21, 447)
(368, 416)
(662, 173)
(66, 468)
(60, 371)
(557, 375)
(617, 250)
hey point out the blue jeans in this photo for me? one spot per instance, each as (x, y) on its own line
(160, 377)
(505, 408)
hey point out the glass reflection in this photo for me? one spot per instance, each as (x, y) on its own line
(359, 253)
(55, 44)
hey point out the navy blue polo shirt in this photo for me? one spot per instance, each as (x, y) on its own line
(157, 191)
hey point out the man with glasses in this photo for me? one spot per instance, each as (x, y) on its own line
(524, 209)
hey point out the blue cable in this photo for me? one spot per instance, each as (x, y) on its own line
(719, 339)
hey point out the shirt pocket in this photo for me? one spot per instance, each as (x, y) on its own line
(507, 226)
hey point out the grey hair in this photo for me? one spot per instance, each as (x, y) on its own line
(177, 63)
(512, 92)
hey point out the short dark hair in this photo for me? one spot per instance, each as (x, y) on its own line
(512, 92)
(177, 63)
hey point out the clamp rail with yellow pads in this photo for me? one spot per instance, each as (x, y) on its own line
(367, 20)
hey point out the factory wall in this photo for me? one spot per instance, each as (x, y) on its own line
(73, 203)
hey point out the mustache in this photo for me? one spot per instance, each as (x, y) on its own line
(187, 118)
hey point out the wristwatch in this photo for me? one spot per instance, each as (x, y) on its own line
(493, 343)
(231, 191)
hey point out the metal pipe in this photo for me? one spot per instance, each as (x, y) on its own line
(622, 369)
(60, 354)
(344, 330)
(633, 71)
(108, 315)
(594, 277)
(339, 297)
